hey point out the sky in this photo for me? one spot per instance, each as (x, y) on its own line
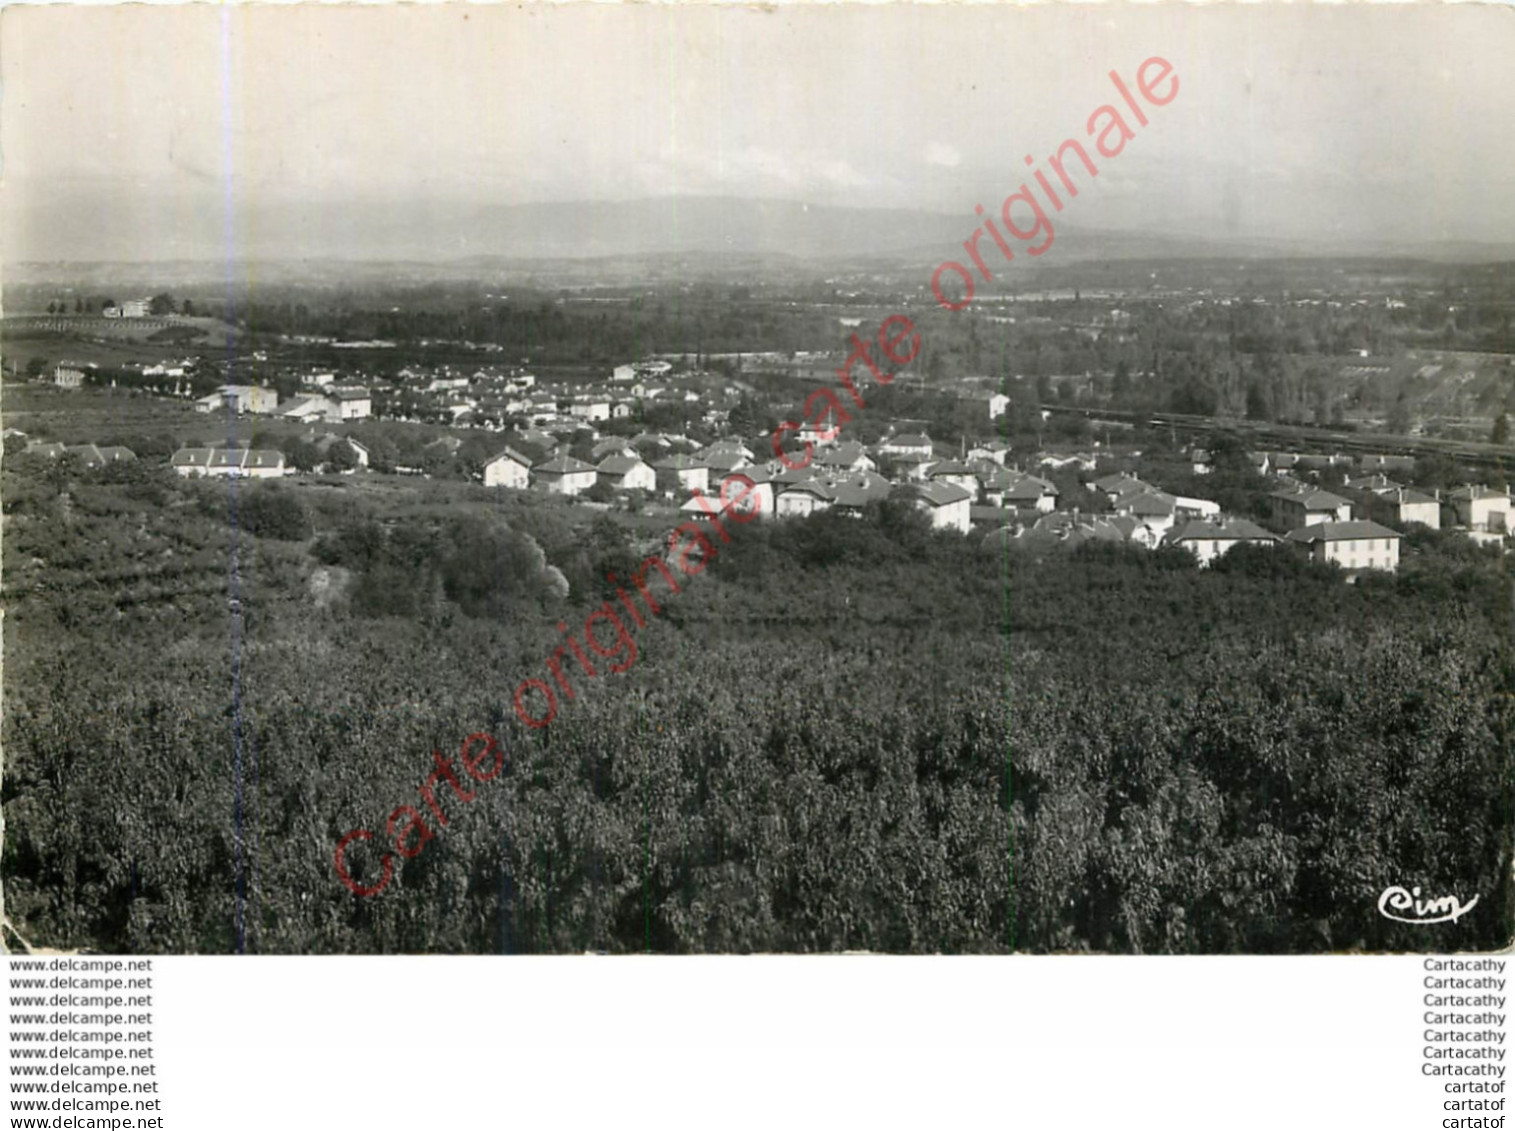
(154, 132)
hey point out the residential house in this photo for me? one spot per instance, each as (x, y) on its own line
(303, 409)
(1155, 510)
(90, 455)
(348, 402)
(331, 440)
(230, 462)
(1058, 461)
(910, 467)
(956, 472)
(1136, 531)
(1306, 506)
(847, 456)
(1375, 483)
(806, 497)
(69, 375)
(948, 505)
(996, 450)
(999, 404)
(536, 438)
(1354, 545)
(1029, 491)
(1397, 465)
(592, 409)
(508, 469)
(1208, 539)
(759, 497)
(610, 446)
(818, 433)
(1402, 506)
(726, 456)
(1185, 507)
(1482, 509)
(240, 399)
(565, 475)
(1114, 487)
(996, 483)
(692, 475)
(907, 444)
(851, 493)
(1071, 528)
(627, 473)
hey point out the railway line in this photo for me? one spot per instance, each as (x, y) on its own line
(1303, 437)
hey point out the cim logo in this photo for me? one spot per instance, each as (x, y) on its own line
(1447, 909)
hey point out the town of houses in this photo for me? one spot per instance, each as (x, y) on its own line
(1010, 498)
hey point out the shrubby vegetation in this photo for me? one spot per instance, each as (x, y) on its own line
(845, 734)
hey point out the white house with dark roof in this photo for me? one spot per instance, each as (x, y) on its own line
(1030, 492)
(1208, 539)
(1353, 545)
(90, 455)
(726, 456)
(1185, 506)
(799, 499)
(846, 456)
(949, 506)
(508, 469)
(565, 475)
(1153, 509)
(240, 398)
(1306, 506)
(911, 467)
(907, 444)
(758, 498)
(851, 493)
(1482, 509)
(1403, 506)
(348, 402)
(305, 409)
(590, 409)
(996, 450)
(1071, 528)
(1113, 487)
(231, 462)
(955, 472)
(611, 446)
(692, 475)
(627, 473)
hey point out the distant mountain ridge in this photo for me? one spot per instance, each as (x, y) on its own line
(705, 226)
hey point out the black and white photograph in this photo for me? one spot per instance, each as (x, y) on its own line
(672, 479)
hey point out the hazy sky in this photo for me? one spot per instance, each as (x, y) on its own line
(148, 132)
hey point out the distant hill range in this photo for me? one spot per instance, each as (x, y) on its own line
(704, 228)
